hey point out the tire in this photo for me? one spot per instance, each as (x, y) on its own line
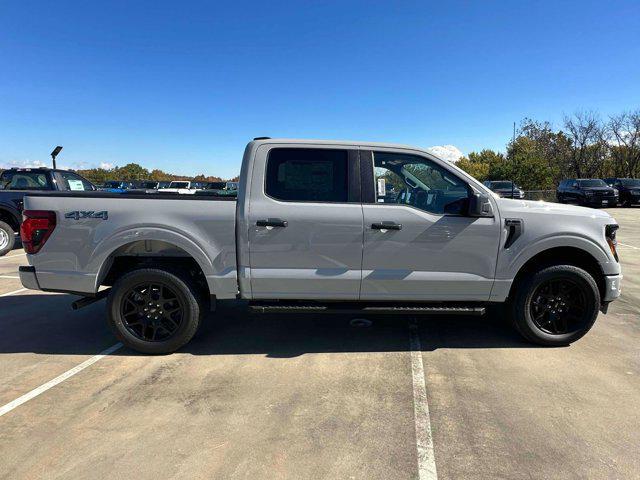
(537, 314)
(173, 314)
(7, 238)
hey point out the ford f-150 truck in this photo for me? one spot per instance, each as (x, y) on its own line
(313, 230)
(14, 185)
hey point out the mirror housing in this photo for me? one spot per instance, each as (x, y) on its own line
(479, 205)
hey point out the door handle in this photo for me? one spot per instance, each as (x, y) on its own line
(272, 222)
(386, 226)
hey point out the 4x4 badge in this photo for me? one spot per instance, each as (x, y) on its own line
(77, 215)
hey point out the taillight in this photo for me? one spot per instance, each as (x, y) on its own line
(610, 235)
(37, 226)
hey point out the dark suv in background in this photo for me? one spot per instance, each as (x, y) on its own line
(15, 183)
(629, 189)
(505, 188)
(589, 192)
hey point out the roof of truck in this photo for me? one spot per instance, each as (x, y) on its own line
(355, 143)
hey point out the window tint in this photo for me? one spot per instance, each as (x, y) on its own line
(307, 175)
(418, 182)
(24, 181)
(73, 182)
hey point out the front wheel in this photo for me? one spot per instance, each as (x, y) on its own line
(7, 238)
(556, 305)
(154, 311)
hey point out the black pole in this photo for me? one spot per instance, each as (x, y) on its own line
(54, 154)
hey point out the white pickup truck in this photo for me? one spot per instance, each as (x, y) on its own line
(325, 226)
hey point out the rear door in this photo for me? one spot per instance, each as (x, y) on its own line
(419, 244)
(305, 223)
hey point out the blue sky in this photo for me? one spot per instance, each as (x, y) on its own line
(182, 86)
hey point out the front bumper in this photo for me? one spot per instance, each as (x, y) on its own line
(612, 287)
(28, 278)
(606, 201)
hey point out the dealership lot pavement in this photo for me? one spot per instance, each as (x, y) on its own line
(313, 397)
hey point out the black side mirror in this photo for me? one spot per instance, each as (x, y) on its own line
(479, 205)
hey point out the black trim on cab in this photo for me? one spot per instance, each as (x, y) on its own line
(366, 176)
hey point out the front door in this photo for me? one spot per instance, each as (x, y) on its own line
(305, 224)
(419, 245)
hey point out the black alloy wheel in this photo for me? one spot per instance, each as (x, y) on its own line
(152, 312)
(558, 306)
(155, 310)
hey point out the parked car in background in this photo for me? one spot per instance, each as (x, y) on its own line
(231, 186)
(628, 188)
(505, 188)
(307, 234)
(589, 192)
(181, 186)
(117, 186)
(14, 185)
(152, 185)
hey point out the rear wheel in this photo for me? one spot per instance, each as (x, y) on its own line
(7, 238)
(556, 305)
(154, 311)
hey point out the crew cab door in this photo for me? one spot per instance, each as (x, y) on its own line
(419, 243)
(305, 223)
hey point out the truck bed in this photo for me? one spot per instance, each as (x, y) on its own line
(139, 224)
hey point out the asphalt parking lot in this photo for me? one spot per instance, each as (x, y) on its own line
(314, 397)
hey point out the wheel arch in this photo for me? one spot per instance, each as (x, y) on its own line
(155, 253)
(566, 255)
(10, 216)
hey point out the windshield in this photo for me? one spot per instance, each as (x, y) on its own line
(630, 182)
(502, 185)
(592, 183)
(179, 184)
(149, 185)
(24, 181)
(112, 184)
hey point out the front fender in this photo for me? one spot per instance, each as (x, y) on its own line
(511, 265)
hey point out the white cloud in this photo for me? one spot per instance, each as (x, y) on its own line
(23, 164)
(450, 153)
(107, 165)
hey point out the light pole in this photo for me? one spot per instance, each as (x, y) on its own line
(54, 154)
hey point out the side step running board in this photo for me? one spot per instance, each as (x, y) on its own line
(376, 310)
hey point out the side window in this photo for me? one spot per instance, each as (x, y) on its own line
(73, 182)
(307, 175)
(417, 181)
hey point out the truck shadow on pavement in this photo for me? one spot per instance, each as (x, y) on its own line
(46, 324)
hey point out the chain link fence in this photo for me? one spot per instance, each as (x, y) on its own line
(545, 195)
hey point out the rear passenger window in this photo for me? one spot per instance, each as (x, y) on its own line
(307, 175)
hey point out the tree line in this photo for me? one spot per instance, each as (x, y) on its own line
(586, 146)
(135, 172)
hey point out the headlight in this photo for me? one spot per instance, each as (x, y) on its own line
(616, 192)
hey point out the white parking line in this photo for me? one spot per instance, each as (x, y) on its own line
(629, 246)
(424, 439)
(59, 379)
(14, 292)
(13, 256)
(9, 276)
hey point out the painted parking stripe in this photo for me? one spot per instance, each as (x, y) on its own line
(628, 246)
(59, 379)
(14, 292)
(9, 276)
(12, 256)
(424, 438)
